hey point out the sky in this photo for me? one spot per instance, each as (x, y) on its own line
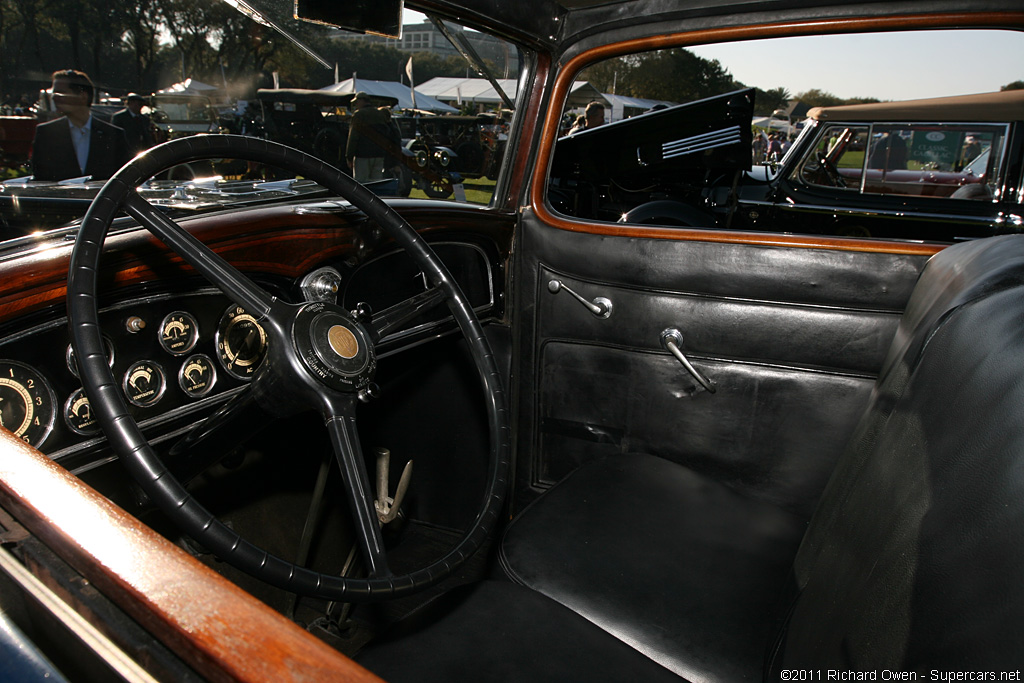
(887, 66)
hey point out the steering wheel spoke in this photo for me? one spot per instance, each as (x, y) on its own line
(392, 319)
(241, 289)
(341, 425)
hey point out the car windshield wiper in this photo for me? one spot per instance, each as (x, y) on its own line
(457, 37)
(261, 18)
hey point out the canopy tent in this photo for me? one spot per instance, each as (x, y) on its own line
(623, 107)
(480, 91)
(583, 93)
(191, 86)
(773, 124)
(461, 90)
(391, 89)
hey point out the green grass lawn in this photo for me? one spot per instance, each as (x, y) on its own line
(478, 191)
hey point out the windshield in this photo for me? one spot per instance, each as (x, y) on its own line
(435, 105)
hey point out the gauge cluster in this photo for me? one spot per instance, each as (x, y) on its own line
(172, 355)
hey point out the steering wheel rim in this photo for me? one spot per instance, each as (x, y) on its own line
(334, 396)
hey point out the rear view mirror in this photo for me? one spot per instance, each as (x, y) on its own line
(380, 17)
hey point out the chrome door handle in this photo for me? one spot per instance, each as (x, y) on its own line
(672, 340)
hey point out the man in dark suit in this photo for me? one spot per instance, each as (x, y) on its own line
(138, 127)
(77, 144)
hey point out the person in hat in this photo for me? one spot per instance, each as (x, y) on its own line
(138, 127)
(373, 140)
(77, 144)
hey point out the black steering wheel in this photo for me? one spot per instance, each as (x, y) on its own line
(831, 171)
(320, 357)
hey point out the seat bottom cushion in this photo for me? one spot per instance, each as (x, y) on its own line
(501, 632)
(680, 567)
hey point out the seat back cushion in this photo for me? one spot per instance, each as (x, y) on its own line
(914, 559)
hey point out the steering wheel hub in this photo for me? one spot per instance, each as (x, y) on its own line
(334, 347)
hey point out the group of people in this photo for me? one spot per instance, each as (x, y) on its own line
(15, 106)
(80, 144)
(770, 147)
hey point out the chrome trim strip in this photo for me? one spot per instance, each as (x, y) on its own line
(814, 208)
(700, 143)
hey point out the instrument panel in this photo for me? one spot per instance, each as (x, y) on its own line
(171, 354)
(177, 356)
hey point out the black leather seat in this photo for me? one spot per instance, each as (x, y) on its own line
(680, 567)
(911, 562)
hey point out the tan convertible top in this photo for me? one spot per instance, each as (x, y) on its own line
(993, 106)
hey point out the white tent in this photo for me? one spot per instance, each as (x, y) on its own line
(391, 89)
(463, 90)
(773, 124)
(624, 107)
(191, 86)
(480, 91)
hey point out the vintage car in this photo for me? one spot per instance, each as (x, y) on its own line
(338, 437)
(16, 134)
(467, 145)
(179, 114)
(317, 122)
(314, 121)
(841, 176)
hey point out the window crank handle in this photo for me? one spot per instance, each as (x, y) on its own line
(601, 307)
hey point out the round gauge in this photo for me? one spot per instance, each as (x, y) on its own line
(179, 333)
(26, 402)
(241, 343)
(144, 383)
(197, 375)
(79, 416)
(69, 355)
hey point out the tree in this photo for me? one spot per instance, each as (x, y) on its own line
(674, 75)
(767, 101)
(819, 98)
(1016, 85)
(141, 21)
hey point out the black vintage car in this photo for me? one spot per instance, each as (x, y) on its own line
(314, 121)
(939, 169)
(471, 146)
(343, 437)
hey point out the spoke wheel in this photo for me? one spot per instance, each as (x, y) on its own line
(320, 357)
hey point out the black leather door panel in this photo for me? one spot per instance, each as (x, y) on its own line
(792, 338)
(839, 339)
(768, 431)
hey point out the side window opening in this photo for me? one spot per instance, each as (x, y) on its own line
(922, 160)
(838, 158)
(703, 137)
